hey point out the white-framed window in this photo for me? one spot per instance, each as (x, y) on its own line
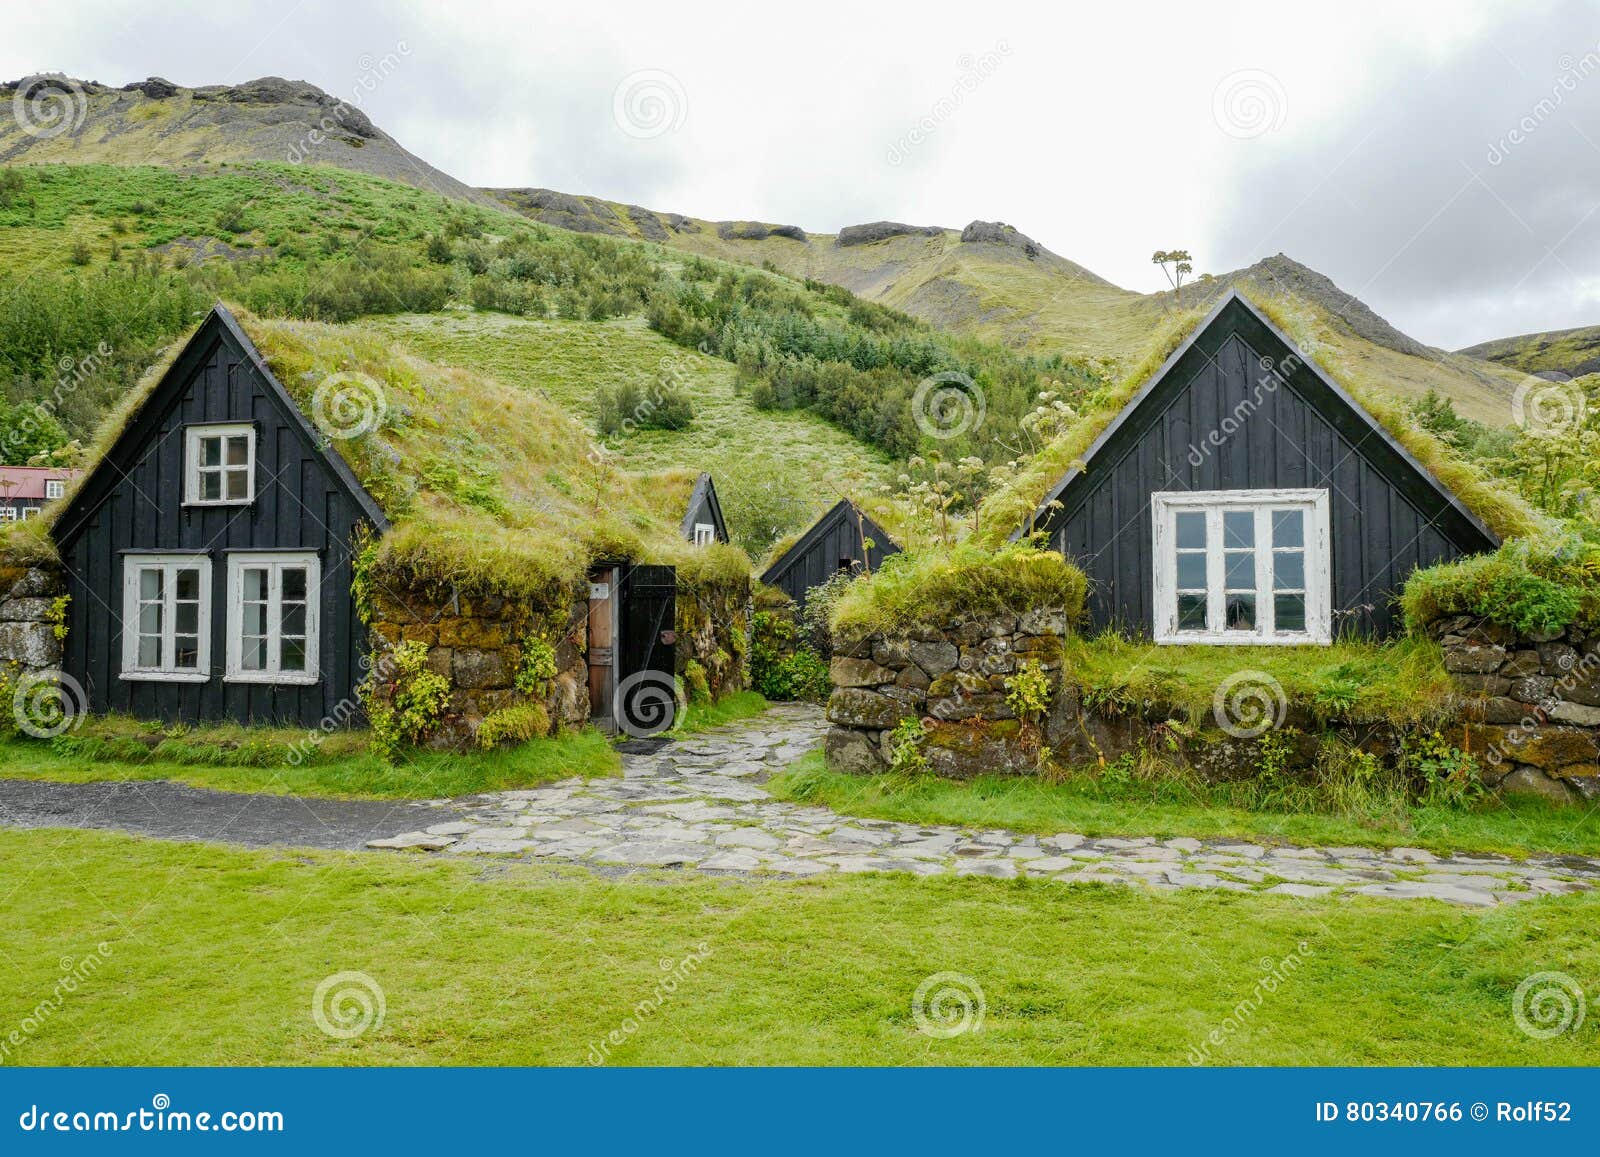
(9, 513)
(704, 534)
(272, 616)
(54, 487)
(1242, 566)
(166, 617)
(220, 465)
(29, 512)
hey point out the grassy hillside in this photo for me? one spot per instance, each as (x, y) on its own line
(1573, 352)
(769, 465)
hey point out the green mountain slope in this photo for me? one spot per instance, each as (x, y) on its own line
(1573, 352)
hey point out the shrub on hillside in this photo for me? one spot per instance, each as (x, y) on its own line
(628, 406)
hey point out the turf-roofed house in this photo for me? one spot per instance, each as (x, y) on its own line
(844, 538)
(1242, 496)
(293, 523)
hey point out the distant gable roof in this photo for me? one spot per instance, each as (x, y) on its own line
(219, 326)
(28, 481)
(703, 497)
(825, 522)
(1235, 312)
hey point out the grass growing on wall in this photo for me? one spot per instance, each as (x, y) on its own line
(936, 585)
(1543, 584)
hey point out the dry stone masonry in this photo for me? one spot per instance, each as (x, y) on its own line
(28, 642)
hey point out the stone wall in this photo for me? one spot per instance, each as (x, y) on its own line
(713, 627)
(28, 642)
(953, 677)
(1528, 710)
(1531, 706)
(478, 644)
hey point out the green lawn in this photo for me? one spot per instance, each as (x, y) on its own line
(212, 955)
(265, 760)
(728, 709)
(1099, 808)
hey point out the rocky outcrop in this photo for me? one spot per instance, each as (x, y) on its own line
(881, 231)
(757, 231)
(999, 233)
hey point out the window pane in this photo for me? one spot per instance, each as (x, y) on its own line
(254, 654)
(1288, 528)
(1241, 612)
(187, 581)
(1191, 612)
(1241, 570)
(1290, 612)
(149, 584)
(1238, 528)
(210, 487)
(238, 485)
(1191, 571)
(293, 655)
(254, 619)
(294, 619)
(150, 619)
(149, 651)
(188, 651)
(255, 584)
(1288, 570)
(186, 618)
(238, 450)
(294, 584)
(211, 451)
(1191, 530)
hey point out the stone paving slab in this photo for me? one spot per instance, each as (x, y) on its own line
(698, 804)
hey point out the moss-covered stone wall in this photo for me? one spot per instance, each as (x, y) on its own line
(713, 628)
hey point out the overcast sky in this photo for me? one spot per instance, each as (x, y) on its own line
(1439, 160)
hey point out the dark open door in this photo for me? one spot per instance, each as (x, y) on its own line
(646, 698)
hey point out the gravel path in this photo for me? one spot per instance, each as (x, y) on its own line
(698, 804)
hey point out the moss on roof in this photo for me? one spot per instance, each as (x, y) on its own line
(1497, 504)
(488, 487)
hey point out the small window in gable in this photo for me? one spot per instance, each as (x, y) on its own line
(1242, 566)
(220, 465)
(704, 534)
(166, 617)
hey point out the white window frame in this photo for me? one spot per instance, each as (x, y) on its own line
(276, 561)
(9, 513)
(132, 564)
(705, 533)
(1318, 565)
(29, 512)
(54, 488)
(192, 468)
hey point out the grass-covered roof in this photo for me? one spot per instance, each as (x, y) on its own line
(1495, 503)
(489, 487)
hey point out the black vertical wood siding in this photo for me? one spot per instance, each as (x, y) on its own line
(1295, 433)
(815, 558)
(135, 503)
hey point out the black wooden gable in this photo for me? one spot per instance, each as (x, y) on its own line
(1238, 407)
(132, 502)
(703, 506)
(833, 543)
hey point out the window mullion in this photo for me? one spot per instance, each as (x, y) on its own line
(1216, 572)
(1266, 610)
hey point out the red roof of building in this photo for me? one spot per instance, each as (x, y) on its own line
(28, 481)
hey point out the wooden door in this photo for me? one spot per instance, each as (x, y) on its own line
(602, 644)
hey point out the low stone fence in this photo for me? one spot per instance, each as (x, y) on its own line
(713, 626)
(29, 618)
(1531, 706)
(1528, 710)
(954, 677)
(479, 644)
